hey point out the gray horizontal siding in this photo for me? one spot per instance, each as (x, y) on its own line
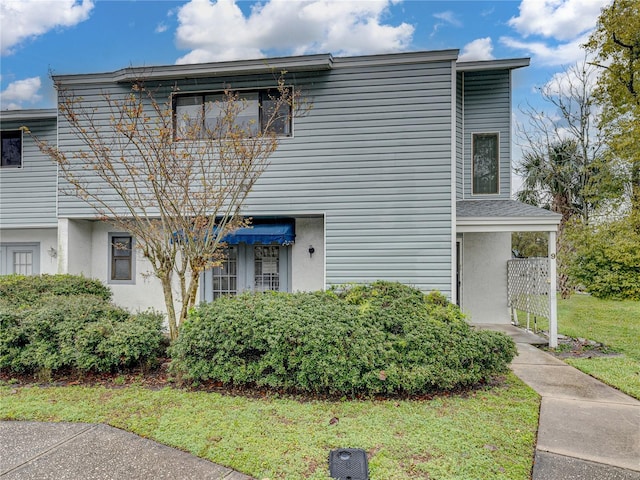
(28, 194)
(487, 108)
(373, 155)
(459, 136)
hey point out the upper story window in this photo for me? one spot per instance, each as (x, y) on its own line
(486, 163)
(11, 149)
(253, 112)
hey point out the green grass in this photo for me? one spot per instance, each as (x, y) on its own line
(486, 433)
(615, 323)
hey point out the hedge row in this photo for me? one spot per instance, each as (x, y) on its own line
(381, 338)
(18, 290)
(56, 323)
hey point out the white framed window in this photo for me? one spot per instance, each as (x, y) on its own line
(256, 268)
(122, 259)
(259, 111)
(224, 279)
(21, 259)
(485, 168)
(11, 155)
(266, 268)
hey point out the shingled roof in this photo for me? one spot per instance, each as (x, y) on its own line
(500, 209)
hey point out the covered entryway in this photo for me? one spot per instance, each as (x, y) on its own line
(484, 229)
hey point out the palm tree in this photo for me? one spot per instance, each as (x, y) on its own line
(556, 181)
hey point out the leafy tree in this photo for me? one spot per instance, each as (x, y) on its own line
(530, 244)
(605, 259)
(616, 45)
(553, 180)
(178, 190)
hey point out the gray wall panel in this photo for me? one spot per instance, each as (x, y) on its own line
(28, 194)
(373, 155)
(487, 108)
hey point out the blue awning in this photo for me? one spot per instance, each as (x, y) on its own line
(266, 233)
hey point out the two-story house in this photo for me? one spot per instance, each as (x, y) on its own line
(401, 171)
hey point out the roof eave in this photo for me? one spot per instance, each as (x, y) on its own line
(507, 63)
(29, 114)
(305, 63)
(507, 224)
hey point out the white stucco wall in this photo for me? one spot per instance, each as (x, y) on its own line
(75, 247)
(46, 237)
(145, 293)
(308, 271)
(484, 276)
(84, 249)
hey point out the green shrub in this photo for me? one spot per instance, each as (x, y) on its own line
(383, 338)
(69, 331)
(605, 259)
(26, 290)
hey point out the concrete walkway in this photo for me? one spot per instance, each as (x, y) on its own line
(74, 451)
(587, 430)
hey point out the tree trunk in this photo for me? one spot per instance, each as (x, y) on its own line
(171, 310)
(189, 298)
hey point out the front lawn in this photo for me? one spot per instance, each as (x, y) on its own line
(483, 433)
(615, 323)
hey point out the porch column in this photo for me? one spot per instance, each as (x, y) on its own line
(553, 304)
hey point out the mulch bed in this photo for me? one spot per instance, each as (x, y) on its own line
(159, 378)
(569, 347)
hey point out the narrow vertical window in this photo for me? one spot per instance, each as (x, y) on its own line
(225, 277)
(486, 163)
(267, 268)
(11, 149)
(122, 259)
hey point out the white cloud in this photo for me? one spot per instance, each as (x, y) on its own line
(550, 55)
(161, 27)
(574, 80)
(448, 17)
(19, 92)
(559, 19)
(24, 19)
(215, 31)
(479, 49)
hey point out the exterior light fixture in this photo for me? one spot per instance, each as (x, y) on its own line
(311, 251)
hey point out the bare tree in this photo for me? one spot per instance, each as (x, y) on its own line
(564, 167)
(176, 182)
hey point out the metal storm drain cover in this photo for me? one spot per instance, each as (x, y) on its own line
(348, 464)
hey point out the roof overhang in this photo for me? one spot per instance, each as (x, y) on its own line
(508, 63)
(522, 224)
(303, 63)
(503, 215)
(28, 114)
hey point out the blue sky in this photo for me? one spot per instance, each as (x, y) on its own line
(82, 36)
